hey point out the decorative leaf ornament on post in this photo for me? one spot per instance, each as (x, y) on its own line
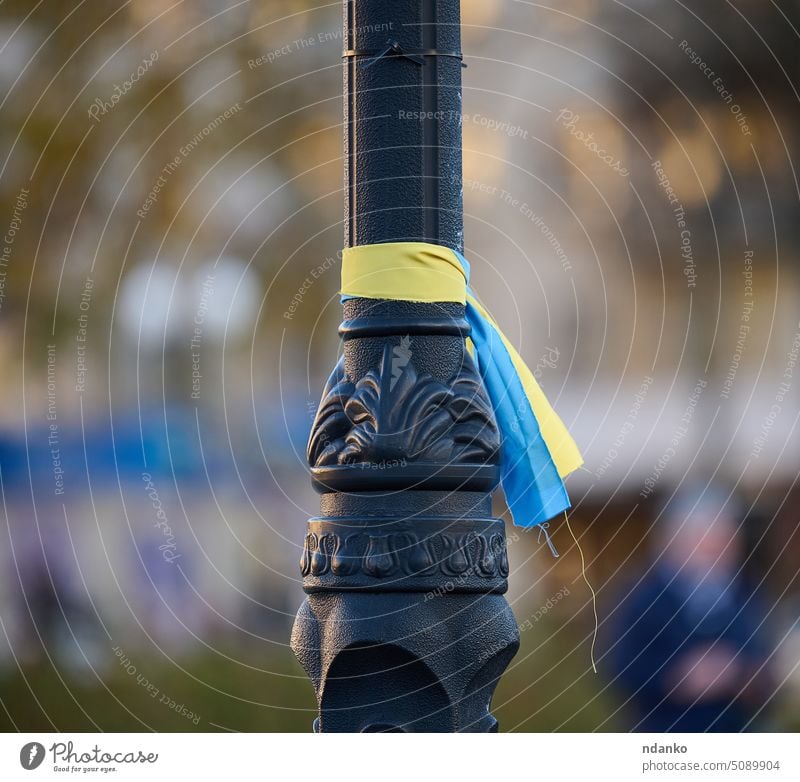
(405, 627)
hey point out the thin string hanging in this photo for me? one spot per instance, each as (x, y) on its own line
(543, 529)
(591, 589)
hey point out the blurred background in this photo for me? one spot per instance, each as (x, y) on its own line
(170, 214)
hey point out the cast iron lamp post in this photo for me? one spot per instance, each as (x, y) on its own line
(405, 627)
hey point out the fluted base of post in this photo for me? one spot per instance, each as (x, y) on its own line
(405, 627)
(405, 662)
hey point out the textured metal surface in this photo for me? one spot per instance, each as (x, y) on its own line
(405, 627)
(403, 125)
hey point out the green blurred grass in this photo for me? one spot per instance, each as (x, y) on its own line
(240, 689)
(223, 694)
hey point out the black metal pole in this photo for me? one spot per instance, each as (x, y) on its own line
(405, 627)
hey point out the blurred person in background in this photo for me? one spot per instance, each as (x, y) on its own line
(691, 650)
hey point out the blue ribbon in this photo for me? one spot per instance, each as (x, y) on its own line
(534, 490)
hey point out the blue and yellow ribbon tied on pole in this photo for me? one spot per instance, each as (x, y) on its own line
(537, 450)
